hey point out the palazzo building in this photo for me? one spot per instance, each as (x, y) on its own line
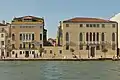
(27, 36)
(88, 37)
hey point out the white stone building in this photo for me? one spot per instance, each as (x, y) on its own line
(117, 19)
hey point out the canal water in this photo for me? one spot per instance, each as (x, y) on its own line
(60, 70)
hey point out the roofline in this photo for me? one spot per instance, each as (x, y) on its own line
(88, 22)
(104, 21)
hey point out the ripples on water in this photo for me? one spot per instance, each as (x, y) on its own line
(60, 70)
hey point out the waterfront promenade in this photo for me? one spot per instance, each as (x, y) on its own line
(60, 58)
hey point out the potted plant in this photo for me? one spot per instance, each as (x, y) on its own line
(104, 51)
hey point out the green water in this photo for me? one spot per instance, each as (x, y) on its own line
(60, 70)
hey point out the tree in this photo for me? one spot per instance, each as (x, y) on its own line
(104, 51)
(41, 50)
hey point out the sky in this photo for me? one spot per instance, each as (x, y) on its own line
(55, 11)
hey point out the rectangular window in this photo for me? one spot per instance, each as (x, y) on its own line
(94, 25)
(40, 36)
(97, 25)
(2, 35)
(103, 25)
(20, 36)
(81, 25)
(50, 51)
(67, 25)
(60, 51)
(90, 25)
(32, 36)
(2, 42)
(87, 25)
(113, 25)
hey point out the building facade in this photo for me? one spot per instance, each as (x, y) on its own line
(27, 36)
(88, 37)
(117, 19)
(4, 40)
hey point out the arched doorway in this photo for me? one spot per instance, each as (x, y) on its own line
(26, 54)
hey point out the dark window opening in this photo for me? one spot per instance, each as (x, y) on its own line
(93, 36)
(20, 36)
(90, 36)
(60, 51)
(87, 37)
(87, 47)
(81, 25)
(103, 37)
(40, 36)
(113, 36)
(97, 36)
(20, 52)
(50, 51)
(32, 36)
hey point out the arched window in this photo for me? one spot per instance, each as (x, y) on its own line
(90, 36)
(87, 37)
(113, 36)
(97, 36)
(67, 36)
(93, 36)
(103, 37)
(80, 37)
(13, 37)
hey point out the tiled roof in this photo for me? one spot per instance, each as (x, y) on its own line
(27, 17)
(89, 20)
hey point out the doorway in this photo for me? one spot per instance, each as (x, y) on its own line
(26, 54)
(92, 52)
